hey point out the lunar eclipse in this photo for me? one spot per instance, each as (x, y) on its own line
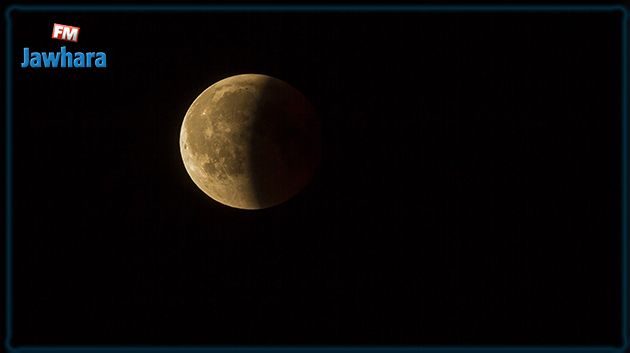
(250, 141)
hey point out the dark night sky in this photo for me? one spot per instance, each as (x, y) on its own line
(468, 191)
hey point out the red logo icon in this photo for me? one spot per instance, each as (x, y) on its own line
(67, 33)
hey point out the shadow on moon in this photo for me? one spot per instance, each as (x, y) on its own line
(285, 146)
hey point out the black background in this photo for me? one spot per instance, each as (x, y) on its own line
(468, 192)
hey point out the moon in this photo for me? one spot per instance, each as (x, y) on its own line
(250, 141)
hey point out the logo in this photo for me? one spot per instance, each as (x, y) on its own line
(63, 58)
(63, 32)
